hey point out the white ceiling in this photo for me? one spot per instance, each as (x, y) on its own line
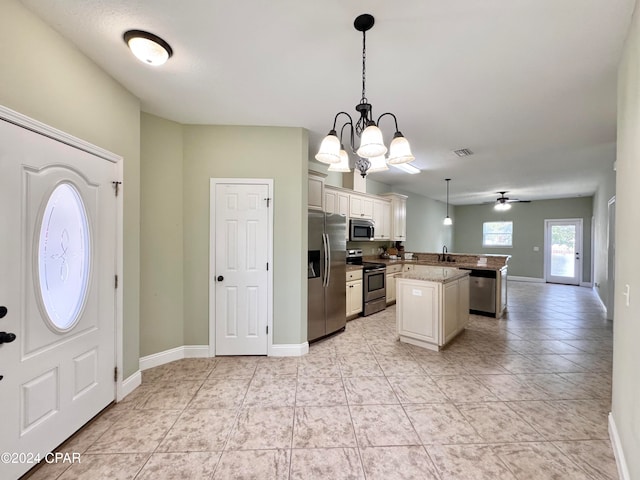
(528, 85)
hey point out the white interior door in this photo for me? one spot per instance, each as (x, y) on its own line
(57, 258)
(240, 273)
(563, 251)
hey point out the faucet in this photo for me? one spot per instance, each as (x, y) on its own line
(444, 254)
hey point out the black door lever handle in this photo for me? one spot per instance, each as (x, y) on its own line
(7, 337)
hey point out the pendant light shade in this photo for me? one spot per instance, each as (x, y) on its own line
(147, 47)
(399, 150)
(447, 219)
(378, 164)
(371, 143)
(329, 149)
(343, 165)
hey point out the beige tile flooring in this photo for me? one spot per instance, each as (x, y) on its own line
(525, 397)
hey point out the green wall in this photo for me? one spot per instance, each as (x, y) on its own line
(47, 78)
(625, 405)
(606, 190)
(528, 231)
(249, 152)
(162, 322)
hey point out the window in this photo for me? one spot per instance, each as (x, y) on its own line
(497, 234)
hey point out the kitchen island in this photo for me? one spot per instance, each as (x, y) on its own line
(432, 305)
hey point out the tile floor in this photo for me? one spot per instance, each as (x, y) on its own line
(525, 397)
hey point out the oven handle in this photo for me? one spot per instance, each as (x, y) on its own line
(376, 270)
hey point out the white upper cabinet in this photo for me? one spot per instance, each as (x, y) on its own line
(382, 219)
(316, 190)
(336, 201)
(398, 216)
(360, 206)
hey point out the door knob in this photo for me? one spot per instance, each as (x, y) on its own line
(220, 278)
(3, 311)
(7, 337)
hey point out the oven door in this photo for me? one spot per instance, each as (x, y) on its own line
(374, 284)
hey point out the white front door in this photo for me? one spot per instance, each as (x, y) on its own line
(57, 258)
(240, 271)
(563, 251)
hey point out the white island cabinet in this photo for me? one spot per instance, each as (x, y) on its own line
(432, 305)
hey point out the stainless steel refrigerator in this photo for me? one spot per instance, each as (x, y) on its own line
(326, 309)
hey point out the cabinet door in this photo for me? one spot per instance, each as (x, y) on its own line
(391, 287)
(382, 219)
(343, 204)
(330, 201)
(418, 310)
(354, 297)
(400, 219)
(360, 206)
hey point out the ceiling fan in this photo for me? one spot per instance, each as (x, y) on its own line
(504, 203)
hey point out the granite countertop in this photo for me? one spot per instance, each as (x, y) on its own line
(351, 268)
(436, 274)
(431, 263)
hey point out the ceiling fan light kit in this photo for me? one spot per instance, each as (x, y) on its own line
(504, 203)
(372, 150)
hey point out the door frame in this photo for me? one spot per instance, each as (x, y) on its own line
(579, 238)
(213, 183)
(611, 256)
(36, 126)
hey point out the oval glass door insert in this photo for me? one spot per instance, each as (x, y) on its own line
(64, 257)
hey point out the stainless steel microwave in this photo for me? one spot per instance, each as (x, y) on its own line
(360, 230)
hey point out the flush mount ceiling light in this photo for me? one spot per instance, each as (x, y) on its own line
(372, 150)
(405, 167)
(447, 219)
(147, 47)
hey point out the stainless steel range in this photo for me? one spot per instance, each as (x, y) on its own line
(374, 289)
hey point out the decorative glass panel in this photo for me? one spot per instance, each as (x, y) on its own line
(64, 256)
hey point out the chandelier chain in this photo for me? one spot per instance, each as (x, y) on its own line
(364, 66)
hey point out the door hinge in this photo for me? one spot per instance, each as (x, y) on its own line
(268, 201)
(116, 186)
(267, 266)
(267, 329)
(116, 281)
(115, 374)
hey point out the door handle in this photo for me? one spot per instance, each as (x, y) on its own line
(220, 278)
(7, 337)
(3, 311)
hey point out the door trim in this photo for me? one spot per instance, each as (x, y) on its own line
(547, 259)
(35, 126)
(213, 183)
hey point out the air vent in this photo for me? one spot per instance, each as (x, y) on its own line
(463, 152)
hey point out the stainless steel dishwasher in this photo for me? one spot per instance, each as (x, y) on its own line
(482, 292)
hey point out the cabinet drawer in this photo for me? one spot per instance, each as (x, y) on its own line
(354, 275)
(394, 268)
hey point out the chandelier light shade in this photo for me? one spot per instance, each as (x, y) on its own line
(447, 219)
(147, 47)
(372, 150)
(343, 165)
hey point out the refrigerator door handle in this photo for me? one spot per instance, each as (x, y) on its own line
(328, 261)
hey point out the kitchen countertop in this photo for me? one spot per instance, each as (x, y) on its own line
(461, 263)
(435, 274)
(351, 268)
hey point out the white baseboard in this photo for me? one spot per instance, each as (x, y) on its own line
(289, 350)
(173, 354)
(586, 284)
(525, 279)
(623, 470)
(129, 384)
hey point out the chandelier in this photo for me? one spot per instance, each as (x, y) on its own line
(372, 152)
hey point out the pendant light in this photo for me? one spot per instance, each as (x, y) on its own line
(372, 150)
(447, 219)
